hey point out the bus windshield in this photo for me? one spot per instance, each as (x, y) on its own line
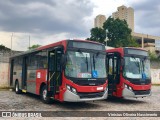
(85, 65)
(137, 68)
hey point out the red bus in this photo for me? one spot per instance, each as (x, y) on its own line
(128, 72)
(69, 70)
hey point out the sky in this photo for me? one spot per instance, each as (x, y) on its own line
(48, 21)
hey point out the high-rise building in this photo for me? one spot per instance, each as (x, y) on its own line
(99, 20)
(125, 13)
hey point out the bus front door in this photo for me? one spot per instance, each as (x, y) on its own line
(54, 71)
(113, 63)
(11, 72)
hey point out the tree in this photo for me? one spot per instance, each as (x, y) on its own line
(153, 56)
(118, 33)
(3, 48)
(34, 47)
(98, 35)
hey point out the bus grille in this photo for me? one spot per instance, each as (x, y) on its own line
(141, 92)
(90, 95)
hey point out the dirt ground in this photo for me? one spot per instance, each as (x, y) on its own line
(9, 101)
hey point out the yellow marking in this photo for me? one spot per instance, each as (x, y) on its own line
(24, 91)
(114, 76)
(57, 79)
(51, 76)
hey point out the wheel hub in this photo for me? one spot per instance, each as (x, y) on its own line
(44, 94)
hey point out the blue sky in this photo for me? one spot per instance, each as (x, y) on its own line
(53, 20)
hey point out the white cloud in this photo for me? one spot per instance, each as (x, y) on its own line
(107, 7)
(51, 21)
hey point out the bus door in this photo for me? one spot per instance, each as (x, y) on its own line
(55, 70)
(11, 72)
(24, 73)
(113, 67)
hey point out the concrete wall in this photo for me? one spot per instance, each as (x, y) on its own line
(155, 75)
(155, 65)
(4, 67)
(4, 74)
(155, 72)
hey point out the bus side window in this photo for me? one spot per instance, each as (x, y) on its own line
(52, 62)
(115, 65)
(42, 59)
(32, 64)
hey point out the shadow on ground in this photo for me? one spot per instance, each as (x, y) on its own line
(125, 101)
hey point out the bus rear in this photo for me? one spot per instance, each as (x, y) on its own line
(128, 72)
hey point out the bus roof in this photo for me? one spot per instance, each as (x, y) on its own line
(121, 48)
(62, 42)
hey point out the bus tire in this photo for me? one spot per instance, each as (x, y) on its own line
(17, 90)
(44, 97)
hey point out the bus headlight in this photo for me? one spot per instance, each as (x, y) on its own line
(68, 87)
(71, 89)
(74, 90)
(128, 87)
(125, 86)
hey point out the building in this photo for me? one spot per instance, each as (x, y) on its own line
(99, 20)
(148, 42)
(125, 13)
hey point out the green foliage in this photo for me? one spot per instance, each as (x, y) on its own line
(34, 47)
(118, 33)
(3, 48)
(153, 57)
(98, 35)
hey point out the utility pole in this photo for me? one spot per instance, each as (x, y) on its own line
(29, 41)
(11, 42)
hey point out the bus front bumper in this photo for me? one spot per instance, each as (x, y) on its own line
(72, 97)
(130, 93)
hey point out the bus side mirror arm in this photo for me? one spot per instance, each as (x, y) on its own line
(122, 64)
(63, 60)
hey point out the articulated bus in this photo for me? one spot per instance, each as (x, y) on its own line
(128, 73)
(69, 70)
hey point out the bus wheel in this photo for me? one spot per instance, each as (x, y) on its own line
(17, 90)
(44, 96)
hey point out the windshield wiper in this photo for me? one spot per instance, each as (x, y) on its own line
(94, 62)
(87, 62)
(135, 62)
(97, 54)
